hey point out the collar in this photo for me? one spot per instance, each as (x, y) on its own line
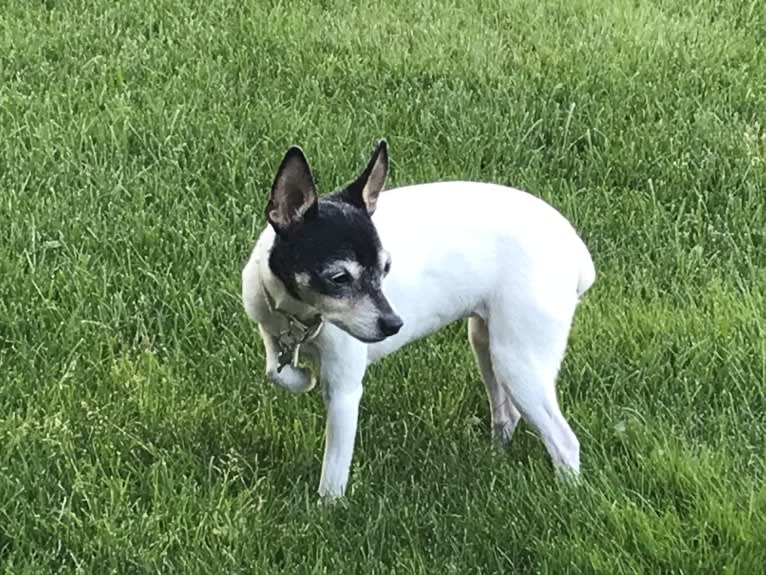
(296, 333)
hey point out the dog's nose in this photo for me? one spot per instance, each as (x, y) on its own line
(390, 324)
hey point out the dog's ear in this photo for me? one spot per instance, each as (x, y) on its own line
(363, 192)
(293, 193)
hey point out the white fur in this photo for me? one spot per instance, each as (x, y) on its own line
(500, 256)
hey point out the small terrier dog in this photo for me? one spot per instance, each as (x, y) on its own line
(348, 278)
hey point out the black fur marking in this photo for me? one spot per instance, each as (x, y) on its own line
(340, 231)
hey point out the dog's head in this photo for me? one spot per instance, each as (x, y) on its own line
(327, 252)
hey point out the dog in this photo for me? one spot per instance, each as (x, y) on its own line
(348, 278)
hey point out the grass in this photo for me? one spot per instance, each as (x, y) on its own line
(137, 144)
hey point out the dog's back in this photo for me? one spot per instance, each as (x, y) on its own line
(457, 247)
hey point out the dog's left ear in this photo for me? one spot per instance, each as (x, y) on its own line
(363, 192)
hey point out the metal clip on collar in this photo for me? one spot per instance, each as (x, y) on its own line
(294, 335)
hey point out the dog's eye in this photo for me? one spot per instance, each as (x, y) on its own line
(387, 267)
(341, 278)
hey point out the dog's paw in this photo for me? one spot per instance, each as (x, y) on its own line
(334, 500)
(331, 495)
(293, 379)
(502, 433)
(569, 477)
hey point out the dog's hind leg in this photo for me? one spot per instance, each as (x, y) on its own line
(526, 353)
(505, 416)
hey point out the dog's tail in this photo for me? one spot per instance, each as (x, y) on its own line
(587, 271)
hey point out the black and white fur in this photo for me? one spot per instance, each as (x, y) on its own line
(385, 270)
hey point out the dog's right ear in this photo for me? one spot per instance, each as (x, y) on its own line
(293, 193)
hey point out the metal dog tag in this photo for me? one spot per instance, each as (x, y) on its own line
(290, 341)
(288, 355)
(296, 333)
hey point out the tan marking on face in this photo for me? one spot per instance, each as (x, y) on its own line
(332, 306)
(302, 280)
(358, 316)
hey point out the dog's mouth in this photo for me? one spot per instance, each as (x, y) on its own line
(366, 319)
(364, 338)
(367, 337)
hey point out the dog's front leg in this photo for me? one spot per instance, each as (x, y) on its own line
(293, 379)
(342, 368)
(342, 414)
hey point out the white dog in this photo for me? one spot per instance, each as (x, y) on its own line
(349, 278)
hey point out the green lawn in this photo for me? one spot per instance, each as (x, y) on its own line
(138, 140)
